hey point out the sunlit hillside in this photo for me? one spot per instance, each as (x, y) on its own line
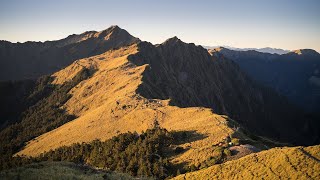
(107, 105)
(277, 163)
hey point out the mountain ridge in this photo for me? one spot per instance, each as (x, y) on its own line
(47, 57)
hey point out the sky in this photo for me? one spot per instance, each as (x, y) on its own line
(286, 24)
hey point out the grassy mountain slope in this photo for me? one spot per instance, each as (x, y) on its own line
(107, 104)
(277, 163)
(133, 87)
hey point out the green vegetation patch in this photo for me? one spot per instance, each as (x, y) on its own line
(136, 154)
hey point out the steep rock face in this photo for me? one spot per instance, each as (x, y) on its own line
(32, 59)
(294, 75)
(189, 76)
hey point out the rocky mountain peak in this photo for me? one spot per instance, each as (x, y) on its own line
(172, 41)
(114, 32)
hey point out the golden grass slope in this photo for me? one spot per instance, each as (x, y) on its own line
(276, 163)
(107, 104)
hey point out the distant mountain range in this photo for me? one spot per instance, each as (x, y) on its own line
(263, 50)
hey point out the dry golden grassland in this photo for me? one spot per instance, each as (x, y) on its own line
(276, 163)
(107, 104)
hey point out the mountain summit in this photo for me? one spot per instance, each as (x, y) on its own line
(104, 35)
(172, 40)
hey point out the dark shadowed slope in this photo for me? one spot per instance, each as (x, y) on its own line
(295, 75)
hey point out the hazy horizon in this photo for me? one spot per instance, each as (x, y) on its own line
(283, 24)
